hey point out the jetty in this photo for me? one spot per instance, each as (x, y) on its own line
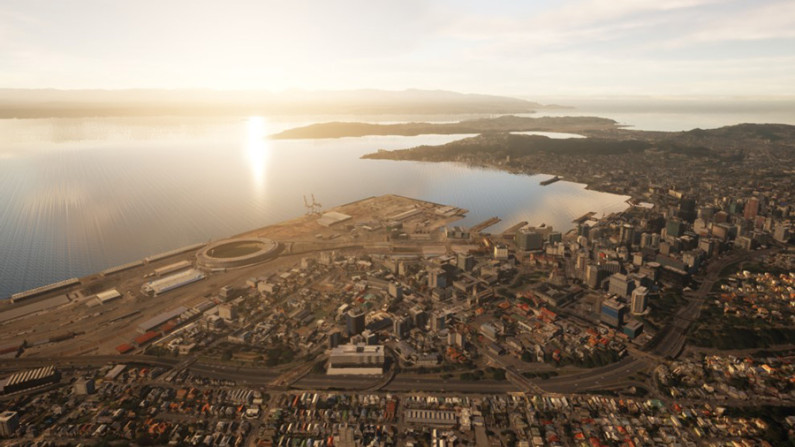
(485, 224)
(550, 181)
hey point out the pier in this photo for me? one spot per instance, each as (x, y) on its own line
(550, 181)
(485, 224)
(513, 229)
(584, 217)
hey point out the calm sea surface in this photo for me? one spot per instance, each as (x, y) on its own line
(81, 195)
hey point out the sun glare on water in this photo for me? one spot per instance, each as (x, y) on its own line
(257, 151)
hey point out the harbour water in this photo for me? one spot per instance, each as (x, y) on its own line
(82, 195)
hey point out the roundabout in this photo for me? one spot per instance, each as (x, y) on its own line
(231, 253)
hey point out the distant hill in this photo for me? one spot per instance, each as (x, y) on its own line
(499, 124)
(16, 103)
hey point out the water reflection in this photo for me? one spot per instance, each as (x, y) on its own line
(130, 190)
(257, 152)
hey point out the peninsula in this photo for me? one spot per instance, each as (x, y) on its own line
(509, 123)
(635, 160)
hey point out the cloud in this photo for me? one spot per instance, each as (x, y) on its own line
(568, 46)
(759, 22)
(571, 23)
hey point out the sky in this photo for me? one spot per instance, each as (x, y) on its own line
(519, 48)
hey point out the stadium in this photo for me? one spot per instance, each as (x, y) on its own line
(232, 253)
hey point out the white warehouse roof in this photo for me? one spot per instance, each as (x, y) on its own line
(171, 282)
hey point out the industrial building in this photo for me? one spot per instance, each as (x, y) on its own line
(115, 371)
(158, 320)
(31, 378)
(167, 283)
(17, 297)
(38, 306)
(332, 218)
(356, 360)
(107, 296)
(431, 417)
(171, 268)
(9, 422)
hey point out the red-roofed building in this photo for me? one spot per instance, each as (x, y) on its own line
(124, 348)
(146, 338)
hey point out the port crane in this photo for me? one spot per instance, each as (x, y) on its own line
(312, 208)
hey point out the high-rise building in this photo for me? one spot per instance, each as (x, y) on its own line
(354, 322)
(437, 277)
(227, 312)
(674, 228)
(9, 422)
(613, 312)
(751, 208)
(529, 240)
(640, 299)
(370, 337)
(455, 338)
(400, 327)
(687, 210)
(655, 240)
(466, 262)
(621, 285)
(418, 317)
(782, 233)
(645, 240)
(706, 213)
(627, 234)
(438, 321)
(707, 246)
(395, 290)
(592, 275)
(334, 338)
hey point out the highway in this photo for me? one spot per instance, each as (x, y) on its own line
(671, 343)
(597, 378)
(435, 385)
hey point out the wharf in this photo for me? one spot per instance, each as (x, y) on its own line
(485, 224)
(514, 228)
(584, 217)
(550, 181)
